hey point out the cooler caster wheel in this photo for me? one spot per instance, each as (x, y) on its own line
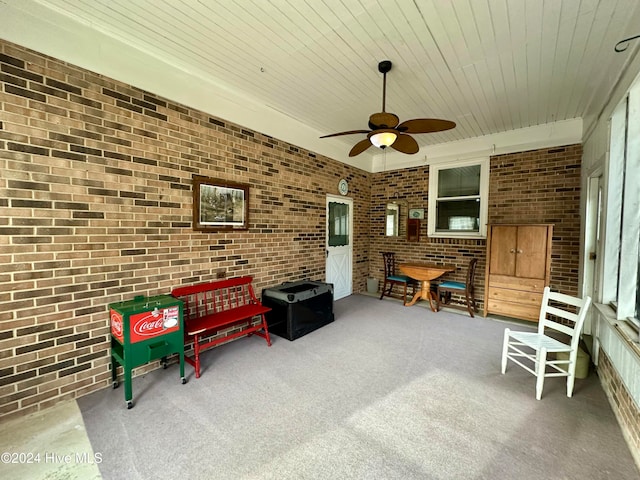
(129, 404)
(164, 365)
(115, 384)
(184, 380)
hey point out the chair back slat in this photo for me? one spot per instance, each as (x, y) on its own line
(558, 312)
(574, 320)
(471, 272)
(566, 299)
(389, 263)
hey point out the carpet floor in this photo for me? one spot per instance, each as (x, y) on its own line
(384, 392)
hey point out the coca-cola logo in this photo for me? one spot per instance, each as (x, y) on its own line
(116, 324)
(149, 328)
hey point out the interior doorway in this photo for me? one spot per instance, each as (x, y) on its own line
(592, 284)
(339, 245)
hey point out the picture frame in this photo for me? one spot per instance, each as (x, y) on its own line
(219, 205)
(416, 213)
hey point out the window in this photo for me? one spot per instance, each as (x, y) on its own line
(458, 193)
(338, 224)
(624, 205)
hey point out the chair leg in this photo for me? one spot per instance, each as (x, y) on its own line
(570, 382)
(540, 371)
(470, 303)
(384, 285)
(571, 370)
(505, 349)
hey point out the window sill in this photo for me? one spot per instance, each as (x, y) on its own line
(626, 332)
(468, 236)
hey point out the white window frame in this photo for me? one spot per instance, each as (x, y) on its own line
(434, 171)
(625, 152)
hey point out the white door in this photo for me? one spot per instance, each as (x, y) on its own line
(339, 245)
(593, 246)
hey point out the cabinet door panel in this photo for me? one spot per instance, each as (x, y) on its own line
(503, 244)
(531, 251)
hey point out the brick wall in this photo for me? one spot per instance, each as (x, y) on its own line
(95, 182)
(542, 186)
(410, 189)
(538, 186)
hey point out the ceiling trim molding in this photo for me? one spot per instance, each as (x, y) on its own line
(555, 134)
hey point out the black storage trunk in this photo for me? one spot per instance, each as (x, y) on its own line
(298, 308)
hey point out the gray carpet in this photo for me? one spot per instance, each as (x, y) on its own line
(384, 392)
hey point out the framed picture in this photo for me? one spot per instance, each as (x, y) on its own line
(417, 213)
(219, 205)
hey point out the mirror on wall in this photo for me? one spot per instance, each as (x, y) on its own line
(392, 220)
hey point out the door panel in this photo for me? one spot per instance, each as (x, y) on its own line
(503, 244)
(339, 238)
(531, 251)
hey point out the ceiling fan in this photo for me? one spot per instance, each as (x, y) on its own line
(386, 131)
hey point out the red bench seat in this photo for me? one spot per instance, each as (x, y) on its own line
(211, 307)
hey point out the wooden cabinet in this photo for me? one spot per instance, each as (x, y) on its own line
(518, 269)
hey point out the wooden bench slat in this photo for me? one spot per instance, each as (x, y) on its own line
(209, 307)
(221, 319)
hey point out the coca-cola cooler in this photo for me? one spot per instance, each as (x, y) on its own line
(142, 330)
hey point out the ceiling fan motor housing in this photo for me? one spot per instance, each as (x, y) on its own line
(384, 66)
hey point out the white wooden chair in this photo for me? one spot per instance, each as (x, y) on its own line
(533, 347)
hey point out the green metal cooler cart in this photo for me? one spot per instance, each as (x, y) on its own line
(142, 330)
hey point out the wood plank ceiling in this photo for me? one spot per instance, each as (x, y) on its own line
(489, 65)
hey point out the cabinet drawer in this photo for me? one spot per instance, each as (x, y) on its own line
(516, 283)
(515, 310)
(515, 296)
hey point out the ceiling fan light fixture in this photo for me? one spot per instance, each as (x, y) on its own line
(385, 129)
(383, 139)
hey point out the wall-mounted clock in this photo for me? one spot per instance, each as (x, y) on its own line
(343, 187)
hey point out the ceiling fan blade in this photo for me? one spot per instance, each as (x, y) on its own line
(405, 144)
(360, 147)
(350, 132)
(425, 125)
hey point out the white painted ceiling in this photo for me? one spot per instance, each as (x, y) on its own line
(491, 66)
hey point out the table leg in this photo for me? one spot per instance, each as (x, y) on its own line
(431, 302)
(423, 294)
(415, 298)
(426, 293)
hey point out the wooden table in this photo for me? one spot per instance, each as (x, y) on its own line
(424, 272)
